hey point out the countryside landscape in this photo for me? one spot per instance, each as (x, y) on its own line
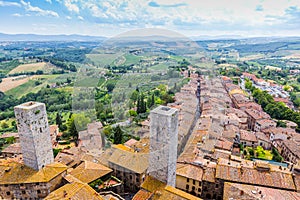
(150, 100)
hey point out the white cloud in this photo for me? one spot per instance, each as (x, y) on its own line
(68, 17)
(49, 1)
(80, 18)
(71, 6)
(6, 3)
(28, 7)
(212, 15)
(17, 15)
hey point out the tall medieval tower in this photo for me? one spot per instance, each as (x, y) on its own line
(34, 134)
(163, 144)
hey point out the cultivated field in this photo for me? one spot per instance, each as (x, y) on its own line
(12, 82)
(32, 67)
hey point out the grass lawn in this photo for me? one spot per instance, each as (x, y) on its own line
(259, 152)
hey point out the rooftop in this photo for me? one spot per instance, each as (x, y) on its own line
(75, 190)
(248, 136)
(132, 161)
(242, 191)
(189, 171)
(247, 173)
(13, 148)
(89, 171)
(16, 173)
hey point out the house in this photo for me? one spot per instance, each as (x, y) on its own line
(263, 140)
(248, 138)
(75, 189)
(10, 135)
(254, 116)
(224, 144)
(88, 172)
(18, 181)
(263, 124)
(249, 105)
(53, 133)
(129, 166)
(291, 151)
(256, 173)
(189, 178)
(245, 191)
(12, 150)
(155, 189)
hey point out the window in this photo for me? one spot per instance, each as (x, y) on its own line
(187, 187)
(217, 185)
(199, 183)
(7, 193)
(187, 180)
(199, 189)
(193, 188)
(23, 192)
(39, 191)
(194, 182)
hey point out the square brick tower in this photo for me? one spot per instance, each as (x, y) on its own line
(34, 134)
(163, 144)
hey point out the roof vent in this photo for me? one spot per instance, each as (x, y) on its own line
(7, 169)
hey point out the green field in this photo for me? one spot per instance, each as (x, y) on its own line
(132, 59)
(159, 67)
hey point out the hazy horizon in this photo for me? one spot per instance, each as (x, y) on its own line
(245, 18)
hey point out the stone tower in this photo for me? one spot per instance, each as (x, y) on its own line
(34, 134)
(163, 144)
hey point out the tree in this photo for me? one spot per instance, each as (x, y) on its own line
(4, 125)
(134, 96)
(118, 135)
(110, 87)
(58, 120)
(76, 123)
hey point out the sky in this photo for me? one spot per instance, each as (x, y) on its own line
(188, 17)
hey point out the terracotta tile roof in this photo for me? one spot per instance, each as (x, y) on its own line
(7, 135)
(189, 171)
(229, 135)
(16, 173)
(249, 105)
(130, 142)
(293, 146)
(224, 144)
(262, 136)
(280, 130)
(173, 193)
(133, 161)
(266, 122)
(143, 195)
(242, 191)
(248, 136)
(13, 148)
(161, 191)
(74, 191)
(257, 114)
(89, 171)
(246, 173)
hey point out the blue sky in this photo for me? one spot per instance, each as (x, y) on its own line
(188, 17)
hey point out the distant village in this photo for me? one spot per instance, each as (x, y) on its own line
(213, 142)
